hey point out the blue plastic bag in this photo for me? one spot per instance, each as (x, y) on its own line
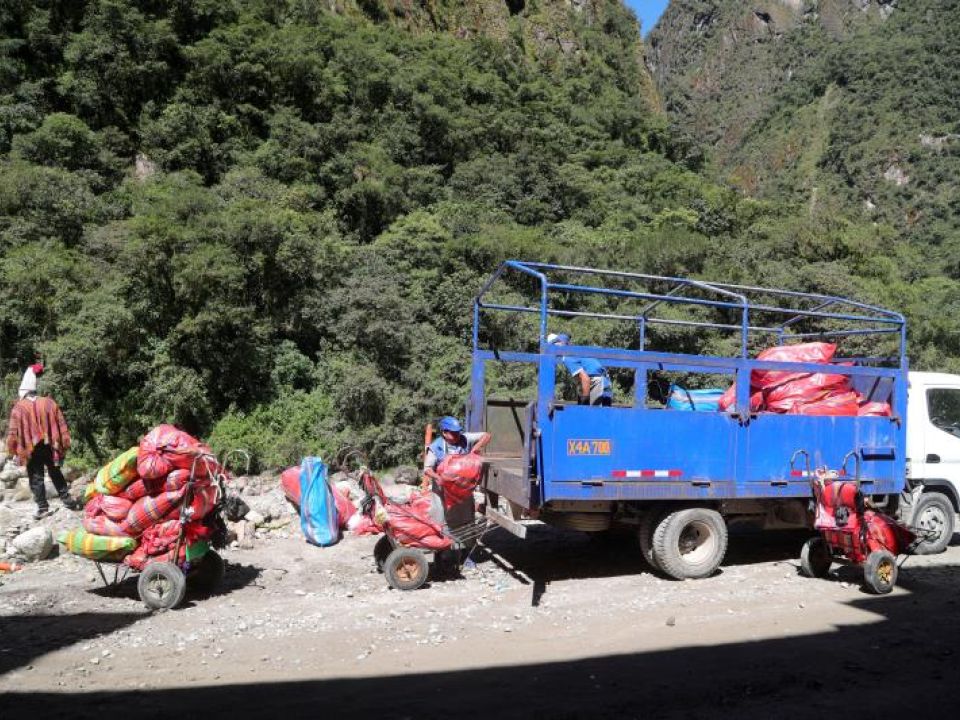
(318, 509)
(701, 400)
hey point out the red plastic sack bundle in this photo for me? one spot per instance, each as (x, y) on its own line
(841, 404)
(806, 389)
(164, 449)
(729, 399)
(201, 503)
(290, 482)
(459, 475)
(874, 409)
(411, 524)
(815, 352)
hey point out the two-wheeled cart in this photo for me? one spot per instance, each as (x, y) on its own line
(162, 585)
(412, 540)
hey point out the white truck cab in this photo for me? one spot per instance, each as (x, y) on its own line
(932, 497)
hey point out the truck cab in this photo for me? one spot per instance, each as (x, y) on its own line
(932, 495)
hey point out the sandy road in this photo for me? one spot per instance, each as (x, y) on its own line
(577, 629)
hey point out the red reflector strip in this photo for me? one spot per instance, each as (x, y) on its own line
(646, 473)
(802, 473)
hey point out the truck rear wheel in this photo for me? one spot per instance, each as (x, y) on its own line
(933, 518)
(648, 525)
(690, 543)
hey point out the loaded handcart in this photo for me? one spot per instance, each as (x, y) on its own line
(160, 516)
(413, 536)
(851, 531)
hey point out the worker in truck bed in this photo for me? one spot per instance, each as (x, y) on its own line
(593, 381)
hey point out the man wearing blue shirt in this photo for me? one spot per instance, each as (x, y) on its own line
(593, 382)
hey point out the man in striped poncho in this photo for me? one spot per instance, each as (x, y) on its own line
(38, 436)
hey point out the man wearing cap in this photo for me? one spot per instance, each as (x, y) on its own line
(452, 441)
(593, 382)
(38, 437)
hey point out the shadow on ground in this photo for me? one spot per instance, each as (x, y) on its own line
(902, 663)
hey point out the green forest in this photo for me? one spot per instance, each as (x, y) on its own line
(265, 220)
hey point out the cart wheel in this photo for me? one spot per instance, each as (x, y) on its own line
(880, 571)
(162, 586)
(381, 551)
(815, 559)
(406, 569)
(207, 574)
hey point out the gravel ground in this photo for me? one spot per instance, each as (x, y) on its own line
(559, 626)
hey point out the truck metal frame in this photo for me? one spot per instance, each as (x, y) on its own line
(552, 454)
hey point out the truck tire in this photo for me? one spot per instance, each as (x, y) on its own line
(880, 571)
(933, 517)
(648, 525)
(690, 543)
(815, 560)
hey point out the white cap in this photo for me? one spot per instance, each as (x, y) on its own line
(29, 383)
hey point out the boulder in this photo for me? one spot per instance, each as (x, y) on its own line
(34, 544)
(407, 475)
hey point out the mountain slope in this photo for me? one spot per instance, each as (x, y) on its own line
(852, 103)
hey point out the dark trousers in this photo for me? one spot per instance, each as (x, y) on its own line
(41, 458)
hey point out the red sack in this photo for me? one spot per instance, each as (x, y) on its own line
(874, 409)
(115, 508)
(164, 449)
(459, 475)
(806, 389)
(141, 488)
(201, 503)
(102, 525)
(729, 399)
(411, 524)
(847, 403)
(175, 480)
(815, 352)
(290, 482)
(149, 510)
(366, 526)
(92, 508)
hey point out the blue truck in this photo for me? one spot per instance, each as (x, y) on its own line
(681, 478)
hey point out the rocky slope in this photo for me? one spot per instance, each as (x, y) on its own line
(848, 105)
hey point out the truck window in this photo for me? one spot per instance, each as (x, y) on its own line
(943, 405)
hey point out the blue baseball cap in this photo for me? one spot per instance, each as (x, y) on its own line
(450, 424)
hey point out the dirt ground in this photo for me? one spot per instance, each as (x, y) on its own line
(561, 626)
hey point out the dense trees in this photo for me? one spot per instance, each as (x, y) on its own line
(266, 222)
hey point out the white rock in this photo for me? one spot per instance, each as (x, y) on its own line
(255, 517)
(34, 544)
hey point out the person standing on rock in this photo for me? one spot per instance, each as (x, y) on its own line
(38, 436)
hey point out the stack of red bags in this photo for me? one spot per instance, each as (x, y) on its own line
(152, 498)
(802, 393)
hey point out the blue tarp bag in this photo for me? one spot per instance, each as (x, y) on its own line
(318, 509)
(680, 398)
